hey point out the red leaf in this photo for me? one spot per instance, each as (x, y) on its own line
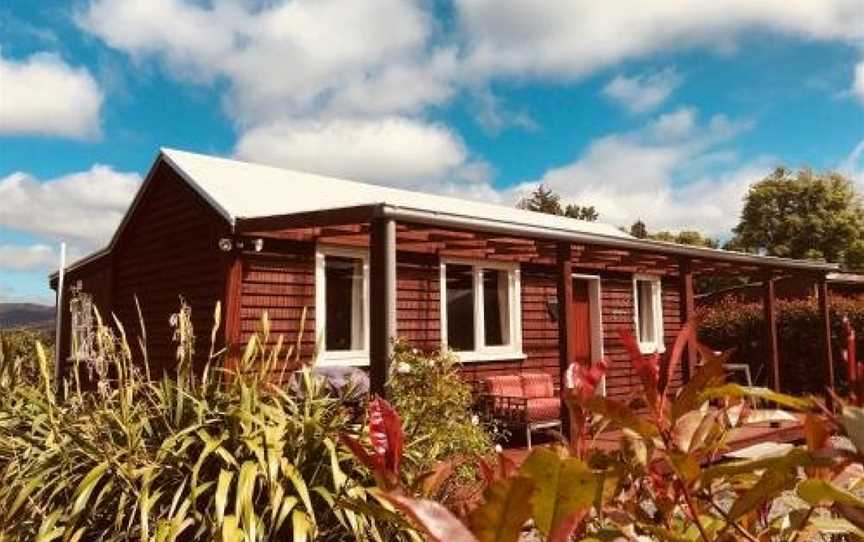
(564, 530)
(585, 379)
(647, 366)
(370, 461)
(385, 431)
(486, 470)
(684, 337)
(438, 522)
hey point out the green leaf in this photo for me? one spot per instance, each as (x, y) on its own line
(709, 375)
(853, 422)
(815, 491)
(23, 493)
(231, 531)
(86, 487)
(562, 487)
(794, 458)
(301, 525)
(507, 508)
(766, 394)
(767, 488)
(221, 497)
(621, 415)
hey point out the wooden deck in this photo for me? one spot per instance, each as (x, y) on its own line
(787, 432)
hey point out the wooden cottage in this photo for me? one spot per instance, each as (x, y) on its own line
(507, 290)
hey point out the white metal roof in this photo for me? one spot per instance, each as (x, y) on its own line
(244, 190)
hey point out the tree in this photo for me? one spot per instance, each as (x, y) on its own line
(544, 200)
(639, 230)
(803, 215)
(587, 212)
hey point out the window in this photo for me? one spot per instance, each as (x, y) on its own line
(648, 312)
(480, 310)
(341, 306)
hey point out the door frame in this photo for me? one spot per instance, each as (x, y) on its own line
(596, 310)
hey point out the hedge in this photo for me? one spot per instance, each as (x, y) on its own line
(740, 325)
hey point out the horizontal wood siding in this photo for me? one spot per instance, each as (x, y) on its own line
(168, 250)
(283, 284)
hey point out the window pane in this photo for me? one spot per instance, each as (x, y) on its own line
(344, 303)
(496, 307)
(460, 307)
(644, 290)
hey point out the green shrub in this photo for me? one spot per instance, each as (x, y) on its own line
(18, 349)
(738, 325)
(217, 455)
(435, 406)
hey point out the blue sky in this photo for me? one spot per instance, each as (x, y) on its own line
(658, 110)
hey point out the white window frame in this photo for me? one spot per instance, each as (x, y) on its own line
(658, 344)
(339, 357)
(512, 351)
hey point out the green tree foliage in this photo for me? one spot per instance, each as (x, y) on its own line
(639, 230)
(803, 214)
(545, 200)
(587, 212)
(686, 237)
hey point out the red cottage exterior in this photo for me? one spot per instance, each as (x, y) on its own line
(523, 291)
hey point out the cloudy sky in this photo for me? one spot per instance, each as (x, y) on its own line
(663, 110)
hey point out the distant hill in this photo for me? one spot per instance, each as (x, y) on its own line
(26, 315)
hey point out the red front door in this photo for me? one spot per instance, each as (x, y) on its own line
(580, 331)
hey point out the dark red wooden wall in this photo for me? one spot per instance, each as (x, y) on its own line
(167, 249)
(285, 284)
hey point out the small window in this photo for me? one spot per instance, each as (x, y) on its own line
(342, 312)
(648, 311)
(480, 308)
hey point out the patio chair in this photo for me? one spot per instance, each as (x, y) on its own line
(523, 402)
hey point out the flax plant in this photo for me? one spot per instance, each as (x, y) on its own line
(210, 454)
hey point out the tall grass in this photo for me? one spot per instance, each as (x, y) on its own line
(215, 454)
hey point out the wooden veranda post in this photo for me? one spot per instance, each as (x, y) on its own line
(565, 321)
(231, 307)
(382, 302)
(687, 304)
(825, 331)
(769, 306)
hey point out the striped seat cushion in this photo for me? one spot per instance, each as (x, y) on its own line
(504, 385)
(543, 409)
(537, 385)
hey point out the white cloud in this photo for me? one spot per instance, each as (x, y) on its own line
(658, 174)
(293, 58)
(85, 207)
(853, 165)
(37, 257)
(858, 82)
(43, 95)
(391, 150)
(644, 92)
(574, 38)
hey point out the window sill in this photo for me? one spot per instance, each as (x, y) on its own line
(479, 357)
(343, 360)
(652, 348)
